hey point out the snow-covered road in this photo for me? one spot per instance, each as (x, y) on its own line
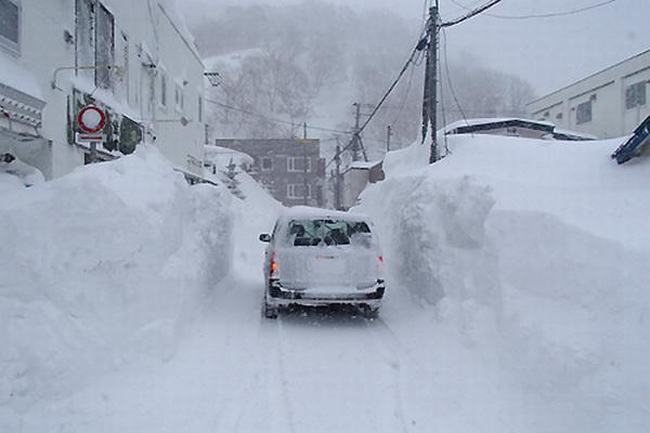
(512, 319)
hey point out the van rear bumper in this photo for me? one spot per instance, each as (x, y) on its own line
(281, 296)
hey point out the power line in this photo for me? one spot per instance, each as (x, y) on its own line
(272, 119)
(418, 47)
(544, 15)
(448, 74)
(470, 14)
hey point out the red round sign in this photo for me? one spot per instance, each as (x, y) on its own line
(91, 119)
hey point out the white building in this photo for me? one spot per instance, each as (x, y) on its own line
(55, 58)
(610, 103)
(356, 178)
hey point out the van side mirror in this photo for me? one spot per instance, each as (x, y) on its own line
(265, 237)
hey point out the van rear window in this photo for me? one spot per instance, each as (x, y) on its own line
(313, 232)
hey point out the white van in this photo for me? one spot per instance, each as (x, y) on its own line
(319, 257)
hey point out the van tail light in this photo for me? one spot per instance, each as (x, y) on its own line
(274, 267)
(380, 264)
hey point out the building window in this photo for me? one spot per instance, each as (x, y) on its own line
(10, 18)
(163, 88)
(635, 95)
(95, 42)
(179, 98)
(200, 110)
(105, 52)
(297, 164)
(558, 116)
(583, 113)
(295, 191)
(267, 164)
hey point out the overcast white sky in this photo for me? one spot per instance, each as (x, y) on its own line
(549, 52)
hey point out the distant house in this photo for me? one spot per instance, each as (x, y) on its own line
(607, 104)
(356, 178)
(514, 127)
(291, 169)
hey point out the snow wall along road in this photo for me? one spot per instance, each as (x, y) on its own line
(533, 253)
(101, 267)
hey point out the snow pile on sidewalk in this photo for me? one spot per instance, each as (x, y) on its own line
(102, 267)
(533, 253)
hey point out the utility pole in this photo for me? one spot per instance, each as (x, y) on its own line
(304, 162)
(337, 180)
(430, 101)
(355, 134)
(389, 133)
(431, 83)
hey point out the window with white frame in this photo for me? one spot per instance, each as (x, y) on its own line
(296, 191)
(583, 113)
(635, 95)
(297, 164)
(10, 24)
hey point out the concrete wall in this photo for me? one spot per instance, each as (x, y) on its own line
(354, 182)
(144, 33)
(607, 92)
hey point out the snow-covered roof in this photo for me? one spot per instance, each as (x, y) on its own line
(220, 156)
(486, 122)
(560, 133)
(314, 212)
(365, 165)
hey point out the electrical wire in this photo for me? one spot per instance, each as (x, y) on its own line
(451, 85)
(417, 49)
(544, 15)
(272, 119)
(472, 13)
(442, 109)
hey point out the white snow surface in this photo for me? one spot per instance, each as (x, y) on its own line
(100, 268)
(530, 254)
(515, 302)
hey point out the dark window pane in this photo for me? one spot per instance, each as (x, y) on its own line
(9, 21)
(105, 54)
(583, 113)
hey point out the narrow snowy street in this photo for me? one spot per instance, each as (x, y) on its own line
(235, 371)
(157, 326)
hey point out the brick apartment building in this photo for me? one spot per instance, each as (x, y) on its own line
(285, 167)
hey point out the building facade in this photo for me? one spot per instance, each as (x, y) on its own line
(291, 169)
(356, 178)
(610, 103)
(135, 60)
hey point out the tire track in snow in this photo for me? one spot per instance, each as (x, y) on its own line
(395, 366)
(284, 389)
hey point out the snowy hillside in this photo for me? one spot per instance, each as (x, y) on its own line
(100, 268)
(533, 254)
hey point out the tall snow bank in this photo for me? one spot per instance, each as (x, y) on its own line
(434, 229)
(546, 244)
(102, 267)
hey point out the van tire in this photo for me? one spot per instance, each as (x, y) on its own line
(269, 311)
(370, 312)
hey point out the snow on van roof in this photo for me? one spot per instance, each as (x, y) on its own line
(314, 212)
